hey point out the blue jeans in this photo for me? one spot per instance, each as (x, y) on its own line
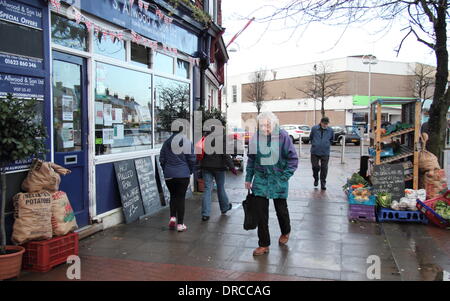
(207, 194)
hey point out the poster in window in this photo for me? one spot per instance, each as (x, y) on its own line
(67, 108)
(144, 114)
(107, 114)
(67, 136)
(108, 136)
(98, 112)
(118, 131)
(117, 115)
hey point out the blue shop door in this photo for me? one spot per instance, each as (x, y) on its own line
(70, 125)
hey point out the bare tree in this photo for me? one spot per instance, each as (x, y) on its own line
(322, 85)
(423, 82)
(425, 20)
(257, 89)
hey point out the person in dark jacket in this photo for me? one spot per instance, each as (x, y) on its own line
(177, 160)
(321, 138)
(214, 166)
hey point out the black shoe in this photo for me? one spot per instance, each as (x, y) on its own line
(322, 186)
(205, 218)
(316, 183)
(229, 208)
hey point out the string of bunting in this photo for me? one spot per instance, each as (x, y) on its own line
(56, 4)
(120, 35)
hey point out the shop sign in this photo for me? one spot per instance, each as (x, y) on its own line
(20, 61)
(19, 13)
(127, 14)
(21, 86)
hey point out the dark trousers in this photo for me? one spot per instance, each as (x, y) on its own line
(262, 211)
(177, 188)
(320, 164)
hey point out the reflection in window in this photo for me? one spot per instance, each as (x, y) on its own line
(140, 55)
(104, 46)
(163, 63)
(123, 119)
(172, 102)
(68, 33)
(183, 69)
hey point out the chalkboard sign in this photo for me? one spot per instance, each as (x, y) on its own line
(147, 184)
(389, 178)
(163, 190)
(130, 193)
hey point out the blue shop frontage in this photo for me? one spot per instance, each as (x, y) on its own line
(109, 75)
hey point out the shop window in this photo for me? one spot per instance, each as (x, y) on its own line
(163, 63)
(141, 56)
(183, 69)
(68, 33)
(29, 44)
(123, 110)
(113, 49)
(172, 102)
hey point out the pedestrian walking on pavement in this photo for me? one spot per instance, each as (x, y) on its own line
(272, 160)
(178, 165)
(214, 166)
(321, 138)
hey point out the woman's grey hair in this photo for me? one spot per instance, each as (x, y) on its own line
(269, 116)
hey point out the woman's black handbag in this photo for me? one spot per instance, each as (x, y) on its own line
(251, 218)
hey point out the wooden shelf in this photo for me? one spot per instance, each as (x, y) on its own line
(398, 133)
(405, 152)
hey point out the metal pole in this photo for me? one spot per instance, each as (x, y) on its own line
(300, 146)
(315, 70)
(343, 150)
(361, 134)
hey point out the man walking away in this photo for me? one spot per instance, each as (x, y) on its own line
(321, 137)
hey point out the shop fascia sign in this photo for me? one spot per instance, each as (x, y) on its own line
(129, 14)
(22, 14)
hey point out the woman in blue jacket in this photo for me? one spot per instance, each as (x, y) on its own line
(177, 161)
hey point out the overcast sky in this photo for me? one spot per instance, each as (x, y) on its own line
(277, 47)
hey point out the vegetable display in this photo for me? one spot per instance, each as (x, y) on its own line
(384, 199)
(361, 194)
(443, 209)
(356, 179)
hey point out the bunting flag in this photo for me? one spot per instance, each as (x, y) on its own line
(131, 3)
(88, 25)
(146, 6)
(56, 4)
(140, 3)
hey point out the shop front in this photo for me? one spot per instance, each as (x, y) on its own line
(111, 76)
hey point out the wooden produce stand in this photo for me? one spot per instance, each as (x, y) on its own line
(409, 138)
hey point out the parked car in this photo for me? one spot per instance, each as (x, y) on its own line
(297, 131)
(351, 135)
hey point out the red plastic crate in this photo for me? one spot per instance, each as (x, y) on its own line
(42, 256)
(427, 208)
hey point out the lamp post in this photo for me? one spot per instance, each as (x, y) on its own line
(315, 71)
(369, 60)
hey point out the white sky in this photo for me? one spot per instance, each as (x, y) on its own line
(276, 49)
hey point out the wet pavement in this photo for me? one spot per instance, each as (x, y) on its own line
(323, 245)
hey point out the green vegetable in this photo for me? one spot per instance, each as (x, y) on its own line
(442, 209)
(355, 180)
(384, 199)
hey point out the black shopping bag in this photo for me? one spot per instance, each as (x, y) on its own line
(251, 218)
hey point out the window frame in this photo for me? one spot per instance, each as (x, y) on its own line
(92, 58)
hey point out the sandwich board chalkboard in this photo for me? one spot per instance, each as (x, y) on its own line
(130, 193)
(389, 178)
(162, 187)
(147, 185)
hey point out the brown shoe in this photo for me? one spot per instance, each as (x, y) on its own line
(260, 251)
(283, 239)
